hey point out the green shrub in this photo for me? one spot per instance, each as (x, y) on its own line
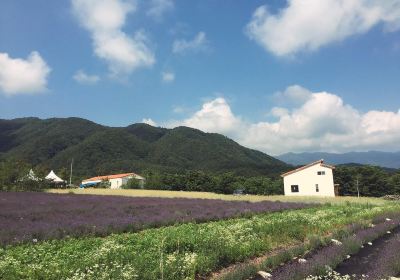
(133, 184)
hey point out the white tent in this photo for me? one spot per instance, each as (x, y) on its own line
(53, 177)
(29, 177)
(32, 176)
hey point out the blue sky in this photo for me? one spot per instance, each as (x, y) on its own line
(252, 70)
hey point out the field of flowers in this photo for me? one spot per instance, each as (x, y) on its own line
(181, 251)
(26, 216)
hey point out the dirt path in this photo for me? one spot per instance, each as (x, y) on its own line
(363, 261)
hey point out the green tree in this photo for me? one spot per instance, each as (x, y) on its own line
(394, 183)
(225, 183)
(133, 183)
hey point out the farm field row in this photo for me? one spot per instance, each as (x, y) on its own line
(25, 216)
(324, 262)
(208, 195)
(182, 251)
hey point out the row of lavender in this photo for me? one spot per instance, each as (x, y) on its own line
(321, 262)
(388, 260)
(28, 216)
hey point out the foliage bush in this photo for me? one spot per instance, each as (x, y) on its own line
(133, 183)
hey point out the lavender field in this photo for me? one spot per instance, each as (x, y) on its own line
(26, 216)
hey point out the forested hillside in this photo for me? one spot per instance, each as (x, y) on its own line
(96, 149)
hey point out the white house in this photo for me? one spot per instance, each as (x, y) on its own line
(314, 179)
(116, 180)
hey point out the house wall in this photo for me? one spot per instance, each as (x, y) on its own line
(307, 179)
(116, 183)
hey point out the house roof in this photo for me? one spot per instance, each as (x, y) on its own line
(108, 177)
(320, 162)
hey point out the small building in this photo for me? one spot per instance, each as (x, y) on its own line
(116, 180)
(314, 179)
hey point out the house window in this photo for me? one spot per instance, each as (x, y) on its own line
(295, 188)
(316, 188)
(321, 172)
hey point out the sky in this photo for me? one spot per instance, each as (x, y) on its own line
(274, 75)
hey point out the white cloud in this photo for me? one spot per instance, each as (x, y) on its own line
(179, 109)
(306, 25)
(149, 122)
(159, 7)
(279, 112)
(23, 76)
(214, 116)
(199, 43)
(322, 123)
(81, 77)
(168, 77)
(104, 19)
(293, 95)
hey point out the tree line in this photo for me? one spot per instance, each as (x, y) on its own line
(363, 179)
(367, 180)
(225, 183)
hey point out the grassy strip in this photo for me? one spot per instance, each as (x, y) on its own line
(209, 195)
(177, 252)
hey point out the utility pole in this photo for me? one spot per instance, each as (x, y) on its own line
(358, 190)
(70, 174)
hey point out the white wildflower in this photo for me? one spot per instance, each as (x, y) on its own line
(264, 274)
(336, 242)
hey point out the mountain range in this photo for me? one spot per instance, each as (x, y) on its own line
(383, 159)
(98, 149)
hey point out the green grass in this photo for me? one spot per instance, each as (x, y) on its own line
(181, 251)
(208, 195)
